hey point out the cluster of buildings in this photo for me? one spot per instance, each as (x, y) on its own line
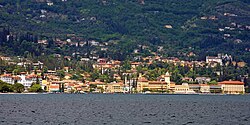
(52, 83)
(164, 83)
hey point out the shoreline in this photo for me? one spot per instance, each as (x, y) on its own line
(217, 94)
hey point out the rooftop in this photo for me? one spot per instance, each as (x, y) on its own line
(231, 83)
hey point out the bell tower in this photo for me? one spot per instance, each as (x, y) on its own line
(167, 79)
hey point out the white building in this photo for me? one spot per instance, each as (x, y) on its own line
(25, 79)
(211, 59)
(183, 89)
(202, 80)
(204, 88)
(8, 78)
(232, 87)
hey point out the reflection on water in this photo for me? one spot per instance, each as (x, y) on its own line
(124, 109)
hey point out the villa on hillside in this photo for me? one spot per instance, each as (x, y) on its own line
(212, 59)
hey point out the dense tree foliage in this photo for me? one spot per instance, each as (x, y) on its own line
(129, 23)
(5, 87)
(19, 88)
(36, 88)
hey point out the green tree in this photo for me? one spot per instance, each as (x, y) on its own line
(94, 75)
(61, 74)
(36, 88)
(213, 82)
(126, 65)
(5, 87)
(17, 87)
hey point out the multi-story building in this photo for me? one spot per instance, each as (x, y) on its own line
(8, 78)
(115, 88)
(232, 87)
(23, 78)
(28, 80)
(162, 84)
(214, 59)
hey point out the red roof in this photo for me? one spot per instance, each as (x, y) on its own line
(157, 82)
(97, 83)
(54, 86)
(16, 78)
(232, 83)
(32, 76)
(6, 75)
(135, 63)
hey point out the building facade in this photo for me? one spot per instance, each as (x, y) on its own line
(232, 87)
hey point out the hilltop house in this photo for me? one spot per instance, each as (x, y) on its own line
(202, 80)
(213, 59)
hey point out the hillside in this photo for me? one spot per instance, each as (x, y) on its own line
(177, 27)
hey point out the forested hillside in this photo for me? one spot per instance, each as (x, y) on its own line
(188, 29)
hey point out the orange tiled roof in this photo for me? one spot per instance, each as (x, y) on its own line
(32, 76)
(157, 82)
(135, 63)
(16, 78)
(54, 86)
(6, 75)
(97, 83)
(232, 83)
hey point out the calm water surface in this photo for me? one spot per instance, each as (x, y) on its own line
(99, 109)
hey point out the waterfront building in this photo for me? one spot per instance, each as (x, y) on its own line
(28, 80)
(54, 87)
(200, 88)
(23, 78)
(162, 84)
(158, 86)
(45, 85)
(215, 89)
(195, 87)
(8, 78)
(183, 89)
(204, 88)
(142, 83)
(232, 87)
(115, 87)
(100, 86)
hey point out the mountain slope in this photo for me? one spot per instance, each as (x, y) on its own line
(179, 26)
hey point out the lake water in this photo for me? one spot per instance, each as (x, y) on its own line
(118, 109)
